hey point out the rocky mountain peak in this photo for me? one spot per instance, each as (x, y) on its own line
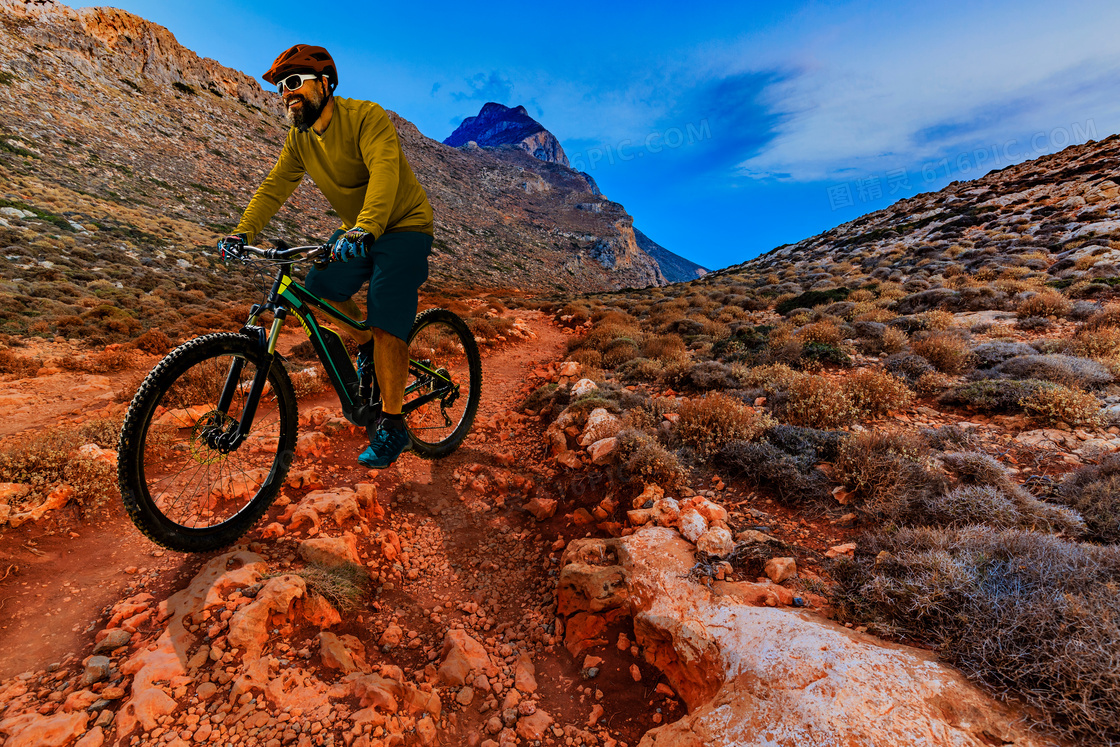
(497, 124)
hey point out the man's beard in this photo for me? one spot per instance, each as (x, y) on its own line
(308, 113)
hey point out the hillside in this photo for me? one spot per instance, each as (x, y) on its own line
(126, 155)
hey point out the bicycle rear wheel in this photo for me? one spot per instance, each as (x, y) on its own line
(444, 383)
(181, 486)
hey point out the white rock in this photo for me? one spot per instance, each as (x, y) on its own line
(583, 386)
(692, 524)
(716, 541)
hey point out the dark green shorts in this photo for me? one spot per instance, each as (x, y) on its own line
(396, 267)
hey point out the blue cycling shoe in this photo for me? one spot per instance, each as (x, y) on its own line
(385, 446)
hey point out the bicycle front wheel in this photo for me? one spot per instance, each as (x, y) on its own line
(181, 482)
(444, 383)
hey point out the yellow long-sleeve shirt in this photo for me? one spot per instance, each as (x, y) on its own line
(359, 166)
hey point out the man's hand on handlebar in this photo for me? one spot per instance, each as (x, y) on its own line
(231, 246)
(353, 244)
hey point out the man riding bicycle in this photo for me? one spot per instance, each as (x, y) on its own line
(351, 150)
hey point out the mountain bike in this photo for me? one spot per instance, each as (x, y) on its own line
(211, 433)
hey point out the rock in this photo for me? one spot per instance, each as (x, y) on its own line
(340, 505)
(461, 655)
(426, 731)
(96, 669)
(94, 453)
(583, 631)
(600, 424)
(666, 512)
(392, 636)
(465, 696)
(148, 701)
(692, 524)
(533, 726)
(582, 387)
(755, 537)
(95, 737)
(331, 552)
(650, 494)
(779, 569)
(603, 451)
(524, 675)
(541, 508)
(206, 691)
(847, 548)
(248, 628)
(312, 444)
(114, 639)
(36, 730)
(319, 612)
(569, 368)
(825, 684)
(341, 652)
(591, 588)
(716, 541)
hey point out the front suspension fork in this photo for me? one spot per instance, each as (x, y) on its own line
(229, 441)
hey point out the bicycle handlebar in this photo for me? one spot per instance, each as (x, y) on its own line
(287, 252)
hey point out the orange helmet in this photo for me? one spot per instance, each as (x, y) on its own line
(303, 58)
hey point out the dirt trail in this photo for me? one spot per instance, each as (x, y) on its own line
(472, 558)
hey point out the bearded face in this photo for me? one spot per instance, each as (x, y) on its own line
(304, 105)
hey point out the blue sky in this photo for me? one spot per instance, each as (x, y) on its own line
(725, 128)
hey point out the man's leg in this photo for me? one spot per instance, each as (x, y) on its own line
(349, 307)
(390, 360)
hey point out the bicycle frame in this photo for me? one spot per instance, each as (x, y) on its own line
(289, 295)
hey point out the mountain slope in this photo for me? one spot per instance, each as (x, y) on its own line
(676, 269)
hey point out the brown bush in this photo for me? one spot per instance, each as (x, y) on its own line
(1045, 303)
(665, 348)
(818, 402)
(948, 353)
(46, 459)
(1057, 403)
(107, 361)
(643, 460)
(714, 420)
(938, 320)
(887, 471)
(824, 332)
(308, 382)
(894, 340)
(1109, 316)
(23, 366)
(874, 392)
(587, 357)
(1097, 342)
(153, 341)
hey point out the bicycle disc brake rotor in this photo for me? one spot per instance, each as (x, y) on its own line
(205, 434)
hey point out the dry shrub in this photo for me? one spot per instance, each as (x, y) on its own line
(1025, 612)
(107, 361)
(937, 320)
(714, 420)
(818, 402)
(1097, 342)
(948, 353)
(1067, 370)
(1059, 404)
(771, 378)
(665, 348)
(1109, 316)
(1094, 492)
(874, 393)
(714, 329)
(793, 479)
(587, 357)
(577, 313)
(993, 396)
(932, 382)
(887, 472)
(643, 460)
(861, 295)
(619, 351)
(649, 415)
(309, 381)
(824, 332)
(153, 341)
(894, 340)
(45, 459)
(341, 585)
(22, 366)
(1046, 303)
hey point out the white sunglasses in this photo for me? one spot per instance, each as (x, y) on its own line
(294, 81)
